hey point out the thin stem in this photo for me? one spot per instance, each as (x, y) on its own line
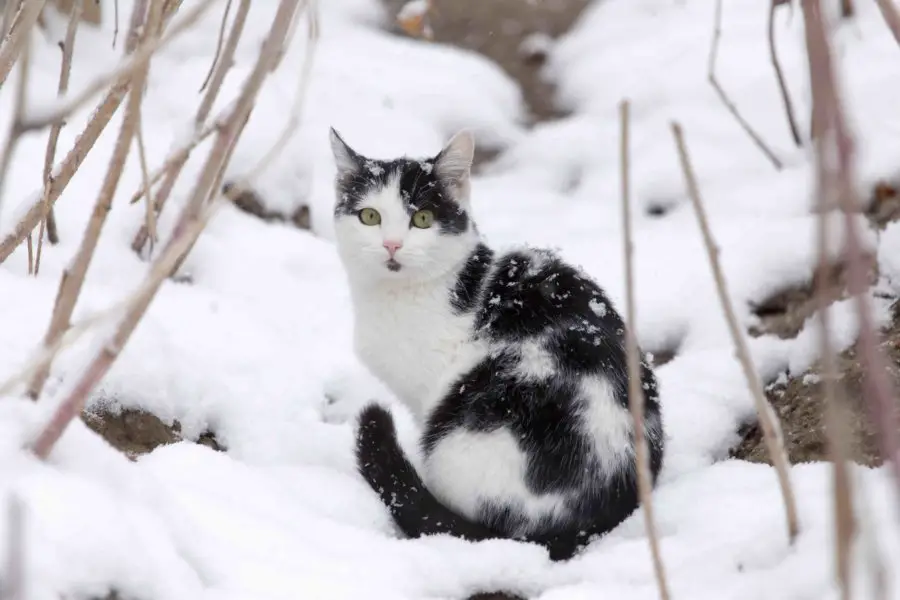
(769, 424)
(635, 392)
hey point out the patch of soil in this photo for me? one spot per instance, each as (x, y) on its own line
(784, 313)
(884, 204)
(135, 432)
(512, 33)
(250, 202)
(799, 404)
(494, 596)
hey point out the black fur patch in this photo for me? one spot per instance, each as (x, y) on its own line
(469, 282)
(419, 184)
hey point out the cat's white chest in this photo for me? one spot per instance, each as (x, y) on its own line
(411, 340)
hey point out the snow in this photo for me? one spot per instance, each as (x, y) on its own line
(258, 347)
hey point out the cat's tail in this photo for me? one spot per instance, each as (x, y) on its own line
(416, 511)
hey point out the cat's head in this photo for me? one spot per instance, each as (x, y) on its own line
(403, 219)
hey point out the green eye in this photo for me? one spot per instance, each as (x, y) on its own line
(369, 216)
(423, 219)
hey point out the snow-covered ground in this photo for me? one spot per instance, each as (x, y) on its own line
(254, 348)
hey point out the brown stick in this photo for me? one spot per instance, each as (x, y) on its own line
(83, 145)
(732, 108)
(779, 75)
(63, 175)
(10, 10)
(137, 60)
(891, 17)
(635, 393)
(18, 37)
(881, 399)
(65, 69)
(188, 227)
(219, 40)
(269, 157)
(172, 172)
(72, 279)
(21, 101)
(771, 428)
(836, 416)
(174, 157)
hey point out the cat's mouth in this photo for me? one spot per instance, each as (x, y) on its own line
(393, 265)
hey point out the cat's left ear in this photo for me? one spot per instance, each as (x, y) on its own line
(345, 158)
(453, 164)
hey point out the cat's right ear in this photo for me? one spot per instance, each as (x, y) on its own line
(346, 160)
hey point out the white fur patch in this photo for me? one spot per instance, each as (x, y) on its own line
(536, 364)
(609, 423)
(467, 468)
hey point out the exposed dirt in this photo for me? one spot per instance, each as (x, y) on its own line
(509, 32)
(799, 404)
(783, 314)
(250, 202)
(136, 432)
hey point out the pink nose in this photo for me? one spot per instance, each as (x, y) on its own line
(392, 247)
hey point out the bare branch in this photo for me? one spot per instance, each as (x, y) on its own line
(10, 11)
(219, 40)
(714, 82)
(19, 35)
(190, 224)
(21, 101)
(779, 75)
(150, 213)
(834, 142)
(73, 278)
(891, 17)
(771, 428)
(137, 60)
(635, 393)
(65, 69)
(63, 174)
(116, 20)
(299, 97)
(176, 161)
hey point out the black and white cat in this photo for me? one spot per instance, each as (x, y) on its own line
(513, 363)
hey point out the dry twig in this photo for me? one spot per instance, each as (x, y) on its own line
(732, 108)
(10, 10)
(21, 101)
(635, 393)
(836, 144)
(191, 221)
(312, 39)
(20, 32)
(771, 428)
(836, 427)
(219, 40)
(779, 75)
(63, 174)
(891, 16)
(175, 162)
(144, 19)
(137, 60)
(65, 69)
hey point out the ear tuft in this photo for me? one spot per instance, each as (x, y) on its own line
(346, 160)
(454, 162)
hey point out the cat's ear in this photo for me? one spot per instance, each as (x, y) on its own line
(345, 158)
(454, 163)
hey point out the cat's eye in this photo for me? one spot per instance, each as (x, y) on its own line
(369, 216)
(423, 219)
